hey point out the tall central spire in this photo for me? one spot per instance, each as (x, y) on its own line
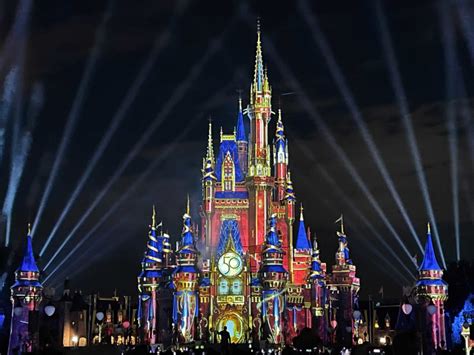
(259, 72)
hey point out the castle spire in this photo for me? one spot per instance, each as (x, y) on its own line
(155, 243)
(28, 263)
(240, 133)
(316, 270)
(289, 193)
(187, 238)
(210, 149)
(429, 259)
(302, 242)
(258, 78)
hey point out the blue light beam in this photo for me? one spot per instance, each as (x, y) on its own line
(205, 107)
(397, 85)
(175, 98)
(343, 197)
(338, 77)
(9, 89)
(18, 31)
(122, 198)
(160, 42)
(328, 136)
(20, 153)
(452, 76)
(466, 19)
(75, 112)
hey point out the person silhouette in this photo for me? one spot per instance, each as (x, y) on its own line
(225, 339)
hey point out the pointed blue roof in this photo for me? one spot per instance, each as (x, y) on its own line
(28, 263)
(316, 270)
(231, 147)
(429, 259)
(229, 229)
(302, 241)
(187, 238)
(272, 239)
(154, 252)
(272, 245)
(241, 136)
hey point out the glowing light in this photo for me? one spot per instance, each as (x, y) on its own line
(18, 30)
(73, 114)
(396, 82)
(382, 341)
(328, 136)
(19, 158)
(452, 76)
(122, 198)
(341, 83)
(118, 117)
(178, 94)
(343, 197)
(74, 340)
(466, 20)
(6, 105)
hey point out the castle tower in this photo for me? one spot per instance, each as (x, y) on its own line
(208, 186)
(317, 282)
(26, 295)
(274, 278)
(259, 180)
(298, 291)
(185, 281)
(431, 290)
(280, 159)
(343, 286)
(289, 203)
(148, 284)
(302, 253)
(242, 140)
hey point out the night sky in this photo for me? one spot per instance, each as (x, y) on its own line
(205, 57)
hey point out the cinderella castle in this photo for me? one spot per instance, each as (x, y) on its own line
(248, 271)
(248, 266)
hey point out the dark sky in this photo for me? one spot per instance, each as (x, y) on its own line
(59, 42)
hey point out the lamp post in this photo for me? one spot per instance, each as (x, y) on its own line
(356, 315)
(465, 332)
(100, 317)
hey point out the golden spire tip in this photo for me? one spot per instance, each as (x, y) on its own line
(153, 217)
(429, 228)
(187, 206)
(29, 228)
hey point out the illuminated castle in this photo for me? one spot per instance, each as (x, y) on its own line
(247, 270)
(26, 295)
(431, 292)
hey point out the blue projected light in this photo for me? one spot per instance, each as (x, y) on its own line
(466, 314)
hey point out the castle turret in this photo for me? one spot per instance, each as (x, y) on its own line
(26, 295)
(317, 281)
(302, 253)
(208, 186)
(290, 201)
(185, 281)
(242, 140)
(344, 287)
(274, 278)
(148, 284)
(280, 159)
(431, 293)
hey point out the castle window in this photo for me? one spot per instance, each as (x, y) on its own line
(237, 287)
(228, 173)
(223, 287)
